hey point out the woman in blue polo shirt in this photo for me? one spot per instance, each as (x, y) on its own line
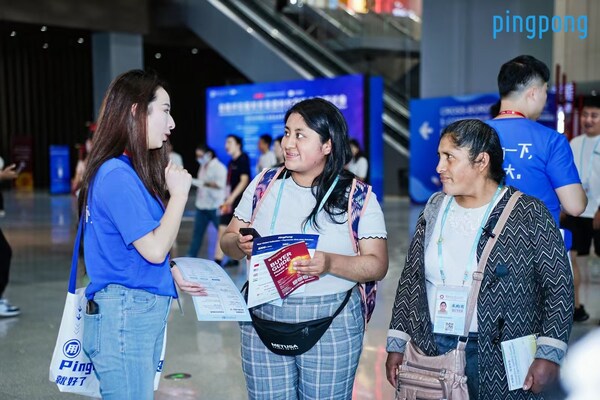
(129, 230)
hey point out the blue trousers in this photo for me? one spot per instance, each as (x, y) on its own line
(203, 218)
(124, 341)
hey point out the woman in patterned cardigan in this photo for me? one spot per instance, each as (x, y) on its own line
(527, 285)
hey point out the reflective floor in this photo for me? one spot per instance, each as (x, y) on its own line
(41, 229)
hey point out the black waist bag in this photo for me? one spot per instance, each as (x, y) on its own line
(288, 339)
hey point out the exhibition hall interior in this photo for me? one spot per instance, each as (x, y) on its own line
(399, 71)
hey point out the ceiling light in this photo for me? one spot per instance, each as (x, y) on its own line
(157, 56)
(13, 34)
(44, 28)
(80, 40)
(194, 51)
(45, 46)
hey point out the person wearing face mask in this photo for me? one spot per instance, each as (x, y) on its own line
(210, 192)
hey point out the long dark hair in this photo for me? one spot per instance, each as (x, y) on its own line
(324, 118)
(122, 126)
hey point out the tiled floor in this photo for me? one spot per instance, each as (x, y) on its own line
(40, 229)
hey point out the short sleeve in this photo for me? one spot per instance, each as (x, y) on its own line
(372, 223)
(220, 176)
(561, 168)
(244, 165)
(362, 167)
(244, 209)
(127, 209)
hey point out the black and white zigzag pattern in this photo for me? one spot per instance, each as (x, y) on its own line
(527, 283)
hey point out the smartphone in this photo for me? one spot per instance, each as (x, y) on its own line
(21, 167)
(250, 231)
(92, 308)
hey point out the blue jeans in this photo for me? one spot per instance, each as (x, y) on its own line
(203, 218)
(124, 340)
(445, 343)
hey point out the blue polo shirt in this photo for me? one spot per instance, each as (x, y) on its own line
(121, 210)
(537, 159)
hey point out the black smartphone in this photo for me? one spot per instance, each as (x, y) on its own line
(92, 308)
(250, 231)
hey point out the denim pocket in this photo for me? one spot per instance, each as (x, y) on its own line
(91, 334)
(140, 301)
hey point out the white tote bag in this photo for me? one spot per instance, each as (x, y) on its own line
(71, 369)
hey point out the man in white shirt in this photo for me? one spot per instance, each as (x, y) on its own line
(210, 193)
(267, 158)
(586, 153)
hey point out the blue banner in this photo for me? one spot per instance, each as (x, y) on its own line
(430, 116)
(255, 109)
(60, 172)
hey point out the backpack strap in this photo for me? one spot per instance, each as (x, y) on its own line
(266, 180)
(357, 203)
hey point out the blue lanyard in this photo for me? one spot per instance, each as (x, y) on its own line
(278, 202)
(589, 167)
(475, 243)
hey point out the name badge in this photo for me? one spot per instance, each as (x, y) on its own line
(450, 310)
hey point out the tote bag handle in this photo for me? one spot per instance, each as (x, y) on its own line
(75, 259)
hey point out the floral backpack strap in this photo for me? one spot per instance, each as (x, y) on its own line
(266, 180)
(357, 202)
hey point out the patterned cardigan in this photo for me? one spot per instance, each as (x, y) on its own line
(527, 282)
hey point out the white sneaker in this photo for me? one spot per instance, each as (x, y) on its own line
(8, 310)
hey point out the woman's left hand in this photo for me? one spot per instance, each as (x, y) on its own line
(194, 289)
(316, 266)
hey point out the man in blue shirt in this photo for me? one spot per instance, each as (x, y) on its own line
(537, 160)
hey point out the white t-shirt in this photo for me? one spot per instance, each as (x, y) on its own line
(267, 160)
(585, 150)
(459, 235)
(209, 198)
(176, 158)
(358, 167)
(296, 203)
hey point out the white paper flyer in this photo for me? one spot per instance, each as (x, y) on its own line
(518, 354)
(261, 288)
(224, 301)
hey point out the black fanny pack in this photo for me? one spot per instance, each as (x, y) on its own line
(288, 339)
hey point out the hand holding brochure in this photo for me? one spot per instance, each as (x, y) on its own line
(224, 301)
(261, 285)
(518, 354)
(280, 266)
